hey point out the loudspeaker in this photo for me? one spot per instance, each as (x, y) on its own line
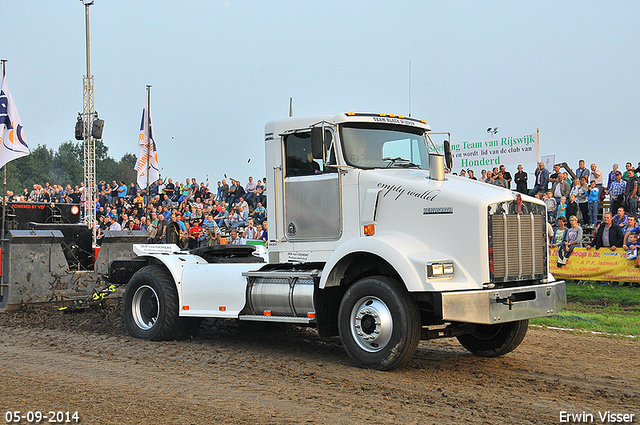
(96, 130)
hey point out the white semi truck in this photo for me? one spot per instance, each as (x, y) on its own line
(369, 239)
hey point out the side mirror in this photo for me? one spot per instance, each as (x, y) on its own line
(317, 142)
(447, 154)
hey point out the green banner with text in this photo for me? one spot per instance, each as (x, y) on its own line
(486, 154)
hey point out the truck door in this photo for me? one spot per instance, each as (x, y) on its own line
(311, 191)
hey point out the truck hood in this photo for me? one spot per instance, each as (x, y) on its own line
(413, 187)
(430, 220)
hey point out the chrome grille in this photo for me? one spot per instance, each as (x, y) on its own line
(517, 242)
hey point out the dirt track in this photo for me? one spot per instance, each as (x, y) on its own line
(85, 362)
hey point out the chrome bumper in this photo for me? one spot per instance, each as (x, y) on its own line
(492, 306)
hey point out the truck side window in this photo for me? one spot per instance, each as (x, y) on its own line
(299, 157)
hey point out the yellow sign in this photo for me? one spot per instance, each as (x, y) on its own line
(592, 264)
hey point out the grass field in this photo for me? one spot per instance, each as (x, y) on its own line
(611, 310)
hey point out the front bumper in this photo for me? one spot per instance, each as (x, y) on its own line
(491, 306)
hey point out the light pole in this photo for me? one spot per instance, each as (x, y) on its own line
(88, 113)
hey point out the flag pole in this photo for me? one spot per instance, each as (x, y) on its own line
(4, 199)
(148, 147)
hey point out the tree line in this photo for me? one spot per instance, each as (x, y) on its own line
(65, 166)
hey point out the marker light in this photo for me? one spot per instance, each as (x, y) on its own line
(267, 313)
(370, 229)
(311, 315)
(222, 308)
(185, 307)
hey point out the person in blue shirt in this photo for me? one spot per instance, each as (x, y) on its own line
(264, 236)
(122, 190)
(212, 230)
(259, 214)
(593, 200)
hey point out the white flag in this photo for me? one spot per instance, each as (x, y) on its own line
(148, 156)
(12, 140)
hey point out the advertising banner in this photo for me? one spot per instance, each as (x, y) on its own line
(602, 264)
(486, 154)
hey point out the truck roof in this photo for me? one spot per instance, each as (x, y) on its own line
(293, 123)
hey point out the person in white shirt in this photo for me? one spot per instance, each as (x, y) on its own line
(114, 224)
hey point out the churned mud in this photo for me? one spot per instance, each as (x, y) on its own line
(244, 374)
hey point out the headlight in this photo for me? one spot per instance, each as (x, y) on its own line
(437, 269)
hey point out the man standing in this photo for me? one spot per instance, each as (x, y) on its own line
(560, 188)
(193, 190)
(612, 175)
(542, 180)
(161, 231)
(582, 171)
(224, 191)
(629, 172)
(506, 175)
(596, 174)
(608, 235)
(554, 176)
(250, 189)
(122, 190)
(521, 178)
(616, 191)
(631, 195)
(170, 189)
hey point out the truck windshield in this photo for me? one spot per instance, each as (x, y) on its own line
(373, 146)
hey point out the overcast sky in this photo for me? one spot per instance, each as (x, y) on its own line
(221, 69)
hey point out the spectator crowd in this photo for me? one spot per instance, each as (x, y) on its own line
(188, 214)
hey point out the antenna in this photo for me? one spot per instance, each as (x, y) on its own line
(290, 106)
(409, 87)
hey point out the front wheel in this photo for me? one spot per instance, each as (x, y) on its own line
(495, 340)
(150, 307)
(379, 323)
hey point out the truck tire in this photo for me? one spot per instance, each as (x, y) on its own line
(150, 307)
(495, 340)
(379, 323)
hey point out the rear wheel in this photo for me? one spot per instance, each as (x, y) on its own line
(379, 323)
(150, 307)
(495, 340)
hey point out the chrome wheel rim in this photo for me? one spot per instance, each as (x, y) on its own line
(145, 307)
(371, 324)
